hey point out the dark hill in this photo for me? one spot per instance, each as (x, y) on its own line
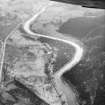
(79, 27)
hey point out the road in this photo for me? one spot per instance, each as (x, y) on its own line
(79, 51)
(2, 51)
(71, 41)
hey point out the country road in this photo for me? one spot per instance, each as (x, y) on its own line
(71, 41)
(76, 58)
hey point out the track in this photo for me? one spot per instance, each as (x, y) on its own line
(60, 86)
(71, 41)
